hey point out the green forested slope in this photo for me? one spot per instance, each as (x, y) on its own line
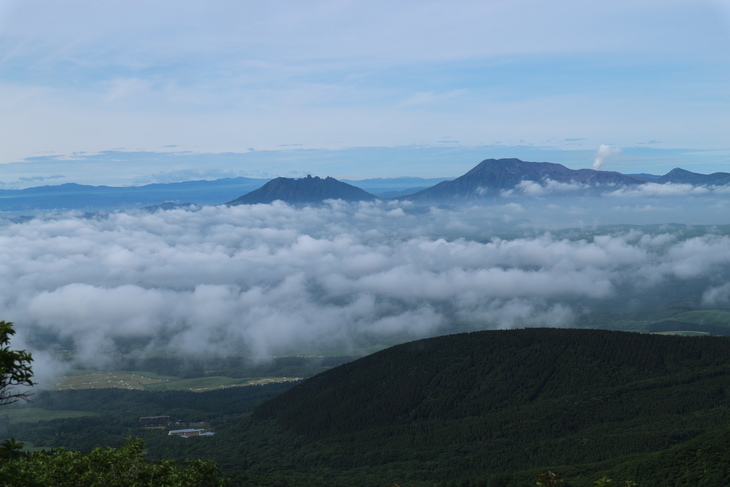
(482, 407)
(701, 462)
(479, 373)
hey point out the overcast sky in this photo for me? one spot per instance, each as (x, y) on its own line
(123, 92)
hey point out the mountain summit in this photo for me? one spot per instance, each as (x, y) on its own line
(303, 190)
(682, 176)
(492, 176)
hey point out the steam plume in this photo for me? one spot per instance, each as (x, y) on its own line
(603, 153)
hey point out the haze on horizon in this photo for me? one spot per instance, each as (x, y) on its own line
(131, 92)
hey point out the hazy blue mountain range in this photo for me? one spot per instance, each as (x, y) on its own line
(304, 190)
(681, 176)
(92, 198)
(394, 187)
(71, 196)
(487, 180)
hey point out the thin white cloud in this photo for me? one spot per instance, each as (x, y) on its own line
(430, 98)
(544, 188)
(717, 296)
(225, 76)
(644, 192)
(668, 189)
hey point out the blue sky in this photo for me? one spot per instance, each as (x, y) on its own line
(131, 92)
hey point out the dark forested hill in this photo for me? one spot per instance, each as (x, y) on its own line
(474, 408)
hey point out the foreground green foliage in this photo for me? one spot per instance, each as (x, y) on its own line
(105, 467)
(700, 462)
(102, 467)
(15, 368)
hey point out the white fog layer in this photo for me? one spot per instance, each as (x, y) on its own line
(271, 279)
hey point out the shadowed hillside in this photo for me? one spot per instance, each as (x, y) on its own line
(496, 404)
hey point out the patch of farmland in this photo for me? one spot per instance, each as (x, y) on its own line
(108, 380)
(705, 317)
(152, 382)
(202, 384)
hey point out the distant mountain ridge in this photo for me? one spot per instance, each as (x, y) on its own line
(303, 190)
(492, 176)
(682, 176)
(72, 196)
(489, 179)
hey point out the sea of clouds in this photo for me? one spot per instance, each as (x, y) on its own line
(263, 280)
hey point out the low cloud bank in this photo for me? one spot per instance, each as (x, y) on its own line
(270, 279)
(548, 187)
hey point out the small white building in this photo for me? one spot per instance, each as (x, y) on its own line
(190, 432)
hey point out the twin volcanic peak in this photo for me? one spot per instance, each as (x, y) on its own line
(303, 190)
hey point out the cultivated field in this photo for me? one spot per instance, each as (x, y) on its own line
(705, 317)
(148, 381)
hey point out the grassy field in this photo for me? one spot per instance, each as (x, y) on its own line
(106, 380)
(705, 317)
(714, 319)
(683, 333)
(152, 382)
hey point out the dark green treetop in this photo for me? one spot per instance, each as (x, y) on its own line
(15, 369)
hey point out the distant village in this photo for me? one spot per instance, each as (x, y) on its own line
(193, 429)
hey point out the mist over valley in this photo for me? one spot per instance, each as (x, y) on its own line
(256, 281)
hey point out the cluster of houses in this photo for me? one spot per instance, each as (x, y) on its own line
(195, 429)
(190, 432)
